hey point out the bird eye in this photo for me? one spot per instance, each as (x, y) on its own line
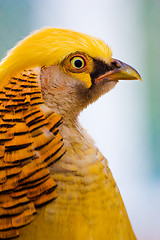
(78, 62)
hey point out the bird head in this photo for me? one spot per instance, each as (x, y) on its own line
(75, 68)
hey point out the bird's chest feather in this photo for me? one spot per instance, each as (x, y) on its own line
(82, 168)
(88, 204)
(81, 186)
(88, 201)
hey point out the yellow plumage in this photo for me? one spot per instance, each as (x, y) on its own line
(50, 75)
(49, 47)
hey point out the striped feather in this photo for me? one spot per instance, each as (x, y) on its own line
(29, 143)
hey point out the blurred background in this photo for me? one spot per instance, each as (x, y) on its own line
(125, 123)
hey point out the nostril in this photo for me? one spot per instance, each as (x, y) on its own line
(116, 63)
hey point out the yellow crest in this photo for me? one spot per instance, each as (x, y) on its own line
(48, 47)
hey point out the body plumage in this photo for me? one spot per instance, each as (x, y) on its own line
(57, 167)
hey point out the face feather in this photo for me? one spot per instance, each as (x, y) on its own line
(48, 47)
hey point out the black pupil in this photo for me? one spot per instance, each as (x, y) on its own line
(78, 63)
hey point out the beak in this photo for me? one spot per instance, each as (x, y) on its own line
(119, 71)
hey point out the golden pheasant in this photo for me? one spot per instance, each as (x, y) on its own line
(54, 182)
